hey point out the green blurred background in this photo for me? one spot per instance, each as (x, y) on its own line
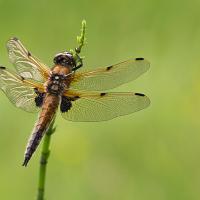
(150, 155)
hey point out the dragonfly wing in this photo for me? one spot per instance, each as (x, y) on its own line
(96, 106)
(110, 77)
(19, 91)
(26, 64)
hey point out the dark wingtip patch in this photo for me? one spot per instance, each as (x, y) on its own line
(15, 38)
(103, 94)
(1, 67)
(140, 94)
(108, 68)
(139, 59)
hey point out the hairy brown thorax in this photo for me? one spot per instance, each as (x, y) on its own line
(59, 80)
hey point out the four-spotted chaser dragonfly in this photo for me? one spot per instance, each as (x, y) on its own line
(37, 87)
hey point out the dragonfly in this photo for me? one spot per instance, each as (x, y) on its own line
(79, 95)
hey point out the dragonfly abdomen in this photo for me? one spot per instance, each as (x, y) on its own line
(46, 116)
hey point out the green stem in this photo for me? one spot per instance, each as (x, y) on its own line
(43, 162)
(81, 40)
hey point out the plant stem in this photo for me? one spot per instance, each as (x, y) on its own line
(43, 162)
(81, 40)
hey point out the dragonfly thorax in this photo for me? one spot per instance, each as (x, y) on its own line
(56, 84)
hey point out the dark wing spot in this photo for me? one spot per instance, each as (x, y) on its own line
(14, 38)
(72, 98)
(103, 94)
(1, 67)
(29, 54)
(140, 94)
(22, 78)
(108, 68)
(139, 59)
(75, 98)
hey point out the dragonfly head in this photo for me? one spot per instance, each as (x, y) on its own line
(65, 59)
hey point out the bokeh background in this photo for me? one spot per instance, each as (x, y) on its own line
(150, 155)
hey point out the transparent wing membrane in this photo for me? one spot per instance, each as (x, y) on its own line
(110, 77)
(77, 104)
(26, 64)
(19, 91)
(96, 106)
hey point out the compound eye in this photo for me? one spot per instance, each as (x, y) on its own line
(69, 56)
(64, 59)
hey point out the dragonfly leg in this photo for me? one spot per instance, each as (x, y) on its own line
(78, 66)
(79, 60)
